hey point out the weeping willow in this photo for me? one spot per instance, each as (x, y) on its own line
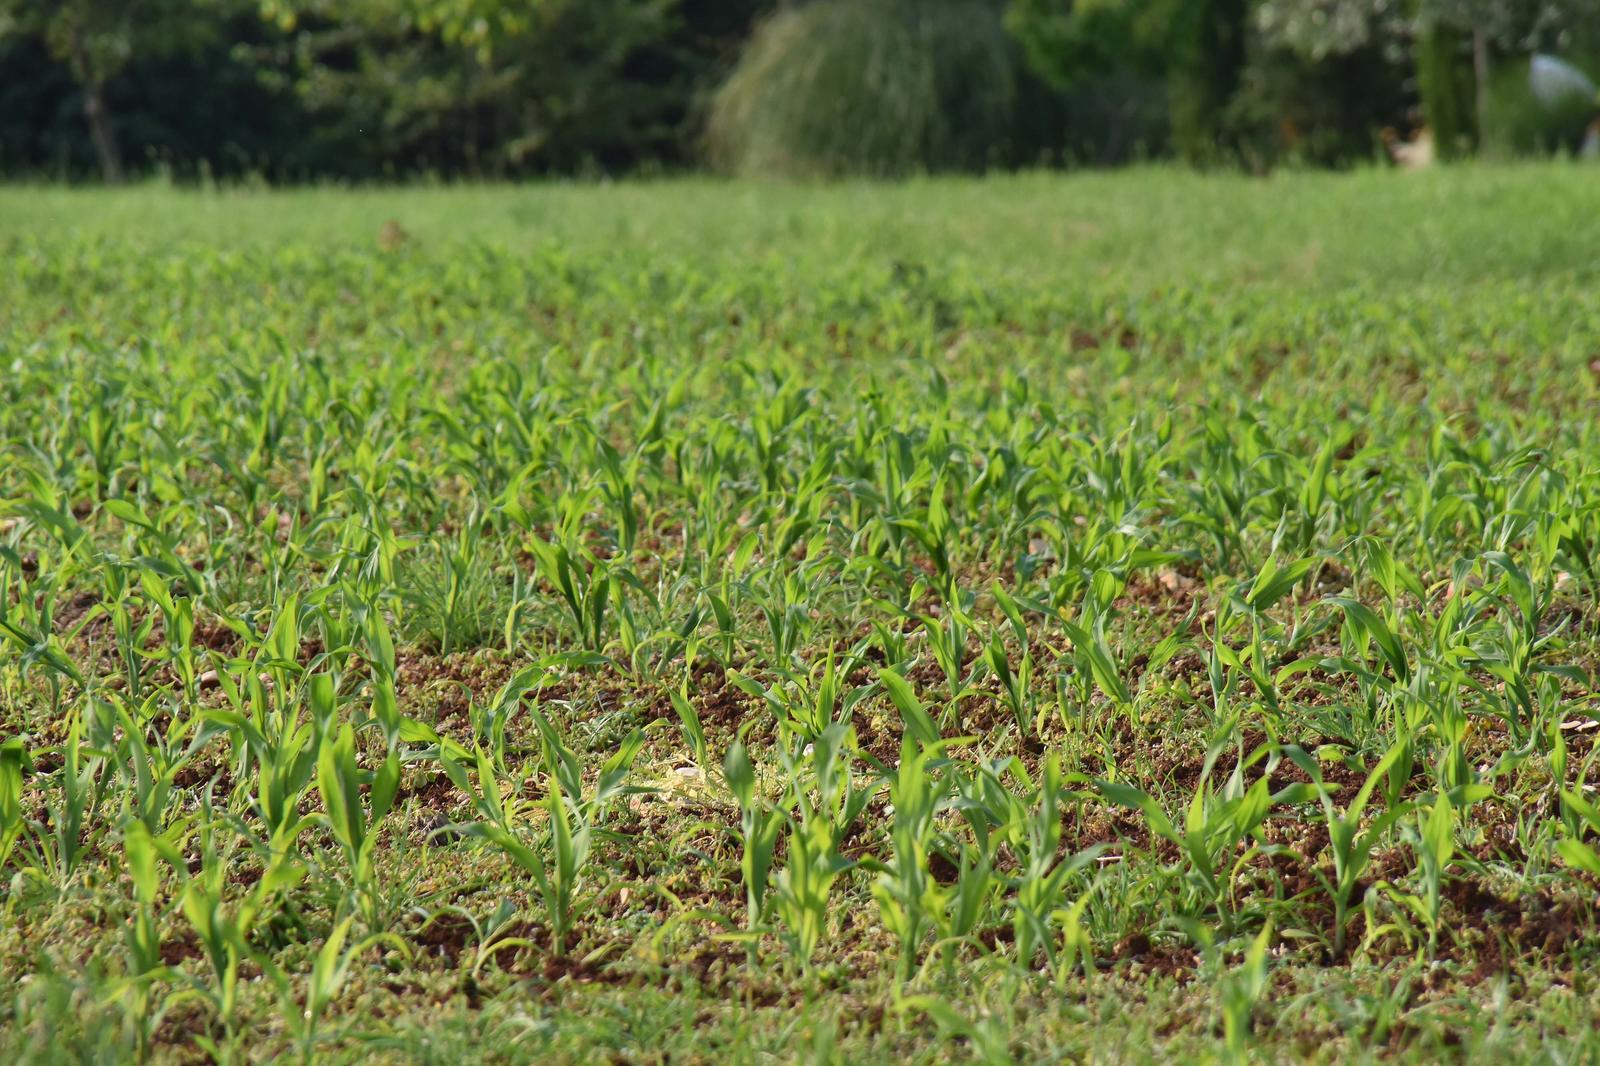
(876, 87)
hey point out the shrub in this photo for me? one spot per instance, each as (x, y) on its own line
(868, 87)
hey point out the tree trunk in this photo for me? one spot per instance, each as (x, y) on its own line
(1480, 74)
(1204, 76)
(94, 109)
(1445, 82)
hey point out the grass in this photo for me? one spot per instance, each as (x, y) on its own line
(1118, 617)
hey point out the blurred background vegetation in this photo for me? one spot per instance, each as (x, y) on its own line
(311, 90)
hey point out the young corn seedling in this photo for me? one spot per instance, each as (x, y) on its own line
(960, 910)
(285, 768)
(1033, 831)
(1017, 686)
(694, 731)
(70, 811)
(759, 829)
(652, 644)
(491, 935)
(889, 638)
(276, 663)
(1217, 823)
(1509, 651)
(451, 595)
(1242, 989)
(805, 707)
(177, 616)
(304, 1011)
(584, 583)
(1320, 491)
(354, 825)
(931, 532)
(1364, 627)
(143, 852)
(1093, 659)
(132, 631)
(1581, 817)
(223, 929)
(14, 765)
(917, 723)
(903, 887)
(1350, 837)
(785, 603)
(27, 631)
(946, 637)
(727, 628)
(1244, 609)
(1432, 836)
(145, 768)
(826, 804)
(490, 721)
(619, 484)
(557, 859)
(1437, 691)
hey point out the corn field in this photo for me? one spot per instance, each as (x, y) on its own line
(1010, 620)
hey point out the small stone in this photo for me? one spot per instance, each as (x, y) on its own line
(1173, 581)
(433, 826)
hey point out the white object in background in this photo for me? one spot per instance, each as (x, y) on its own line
(1589, 151)
(1554, 80)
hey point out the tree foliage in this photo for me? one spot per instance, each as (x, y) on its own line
(556, 85)
(298, 89)
(97, 39)
(369, 88)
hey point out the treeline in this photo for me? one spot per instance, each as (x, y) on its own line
(367, 89)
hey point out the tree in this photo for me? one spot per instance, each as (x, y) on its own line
(98, 38)
(1448, 85)
(504, 86)
(1207, 43)
(1198, 46)
(1450, 42)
